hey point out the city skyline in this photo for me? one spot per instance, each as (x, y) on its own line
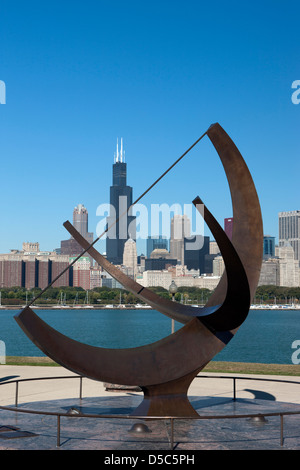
(72, 88)
(118, 189)
(33, 268)
(161, 241)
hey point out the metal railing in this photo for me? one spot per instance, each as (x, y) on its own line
(171, 419)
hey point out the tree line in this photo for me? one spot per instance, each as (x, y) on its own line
(279, 294)
(106, 295)
(98, 295)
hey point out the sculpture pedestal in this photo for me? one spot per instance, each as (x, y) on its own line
(169, 399)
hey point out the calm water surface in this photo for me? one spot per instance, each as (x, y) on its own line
(265, 337)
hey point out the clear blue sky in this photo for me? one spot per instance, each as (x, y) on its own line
(80, 74)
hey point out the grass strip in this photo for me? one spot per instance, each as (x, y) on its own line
(252, 368)
(29, 361)
(213, 366)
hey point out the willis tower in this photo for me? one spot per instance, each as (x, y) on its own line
(120, 201)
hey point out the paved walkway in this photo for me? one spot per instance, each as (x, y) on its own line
(208, 394)
(207, 385)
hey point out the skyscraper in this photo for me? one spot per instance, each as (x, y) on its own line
(228, 227)
(269, 246)
(195, 252)
(120, 200)
(180, 229)
(289, 230)
(80, 221)
(130, 258)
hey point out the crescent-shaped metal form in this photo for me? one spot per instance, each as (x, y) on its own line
(165, 369)
(247, 236)
(141, 366)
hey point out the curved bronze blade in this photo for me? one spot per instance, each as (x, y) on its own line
(247, 237)
(173, 357)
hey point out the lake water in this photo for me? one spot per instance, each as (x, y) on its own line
(265, 337)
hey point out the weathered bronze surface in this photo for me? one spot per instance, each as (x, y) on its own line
(165, 369)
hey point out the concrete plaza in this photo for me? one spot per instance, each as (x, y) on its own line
(209, 394)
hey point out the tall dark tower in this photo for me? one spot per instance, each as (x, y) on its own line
(120, 201)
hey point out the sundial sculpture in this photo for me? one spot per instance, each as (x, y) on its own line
(165, 369)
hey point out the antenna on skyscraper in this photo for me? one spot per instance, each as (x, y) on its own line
(117, 158)
(120, 155)
(121, 149)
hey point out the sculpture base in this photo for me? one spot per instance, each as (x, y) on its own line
(169, 399)
(112, 435)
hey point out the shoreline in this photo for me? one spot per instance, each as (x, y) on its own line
(77, 307)
(213, 366)
(282, 307)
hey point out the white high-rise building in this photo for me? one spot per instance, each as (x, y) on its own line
(288, 266)
(213, 248)
(130, 258)
(180, 229)
(289, 230)
(218, 266)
